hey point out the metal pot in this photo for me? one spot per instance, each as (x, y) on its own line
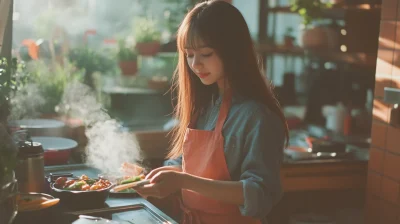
(81, 199)
(39, 127)
(56, 149)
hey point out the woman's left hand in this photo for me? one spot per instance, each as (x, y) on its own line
(162, 184)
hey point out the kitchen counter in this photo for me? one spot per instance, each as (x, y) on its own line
(300, 175)
(325, 175)
(140, 206)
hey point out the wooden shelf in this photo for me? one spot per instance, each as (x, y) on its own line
(359, 58)
(336, 12)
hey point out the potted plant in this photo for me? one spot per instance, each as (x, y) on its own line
(127, 59)
(312, 37)
(309, 10)
(147, 36)
(91, 61)
(50, 83)
(8, 182)
(289, 38)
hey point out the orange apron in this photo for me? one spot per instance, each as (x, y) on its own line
(203, 156)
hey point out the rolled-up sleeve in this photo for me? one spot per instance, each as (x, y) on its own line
(173, 162)
(260, 169)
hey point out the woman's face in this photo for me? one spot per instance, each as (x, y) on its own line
(206, 64)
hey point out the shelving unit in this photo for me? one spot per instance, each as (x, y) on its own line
(268, 46)
(360, 58)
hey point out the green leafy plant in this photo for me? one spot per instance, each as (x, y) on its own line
(7, 84)
(8, 155)
(52, 80)
(174, 13)
(146, 30)
(289, 33)
(125, 53)
(8, 150)
(91, 61)
(309, 10)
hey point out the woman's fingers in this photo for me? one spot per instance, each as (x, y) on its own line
(149, 190)
(155, 171)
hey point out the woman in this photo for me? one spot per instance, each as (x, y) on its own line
(232, 130)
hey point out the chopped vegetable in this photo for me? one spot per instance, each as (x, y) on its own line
(76, 186)
(132, 179)
(90, 181)
(83, 177)
(61, 181)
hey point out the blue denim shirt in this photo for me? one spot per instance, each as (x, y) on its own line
(254, 141)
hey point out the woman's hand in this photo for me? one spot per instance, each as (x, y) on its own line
(163, 182)
(163, 168)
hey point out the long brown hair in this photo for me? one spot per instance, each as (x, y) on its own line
(220, 26)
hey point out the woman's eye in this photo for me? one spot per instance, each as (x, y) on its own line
(189, 55)
(207, 55)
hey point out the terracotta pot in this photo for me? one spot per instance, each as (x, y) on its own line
(128, 67)
(320, 38)
(158, 85)
(288, 41)
(148, 48)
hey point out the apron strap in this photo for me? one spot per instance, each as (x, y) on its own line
(188, 216)
(224, 110)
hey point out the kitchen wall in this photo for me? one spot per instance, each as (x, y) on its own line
(383, 191)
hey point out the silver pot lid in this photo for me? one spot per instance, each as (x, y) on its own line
(36, 123)
(55, 143)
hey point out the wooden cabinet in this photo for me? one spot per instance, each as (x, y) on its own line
(329, 175)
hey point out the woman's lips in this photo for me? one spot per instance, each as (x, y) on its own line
(203, 75)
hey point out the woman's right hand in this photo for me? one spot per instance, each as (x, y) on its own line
(163, 168)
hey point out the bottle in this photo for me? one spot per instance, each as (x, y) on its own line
(30, 169)
(335, 116)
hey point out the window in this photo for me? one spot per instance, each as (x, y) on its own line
(72, 79)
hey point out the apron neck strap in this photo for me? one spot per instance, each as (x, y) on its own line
(223, 111)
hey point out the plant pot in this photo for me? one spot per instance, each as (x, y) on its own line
(128, 67)
(319, 38)
(288, 41)
(148, 48)
(158, 85)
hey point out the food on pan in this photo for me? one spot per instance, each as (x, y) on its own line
(84, 183)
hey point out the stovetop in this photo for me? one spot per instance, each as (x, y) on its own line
(133, 213)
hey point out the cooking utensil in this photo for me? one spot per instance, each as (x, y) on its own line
(30, 168)
(39, 127)
(143, 213)
(37, 213)
(81, 199)
(56, 149)
(297, 152)
(29, 202)
(130, 185)
(116, 178)
(328, 146)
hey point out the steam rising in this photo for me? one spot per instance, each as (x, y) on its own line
(25, 102)
(108, 147)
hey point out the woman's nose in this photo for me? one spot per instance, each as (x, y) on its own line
(196, 63)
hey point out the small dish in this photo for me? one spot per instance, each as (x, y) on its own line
(28, 202)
